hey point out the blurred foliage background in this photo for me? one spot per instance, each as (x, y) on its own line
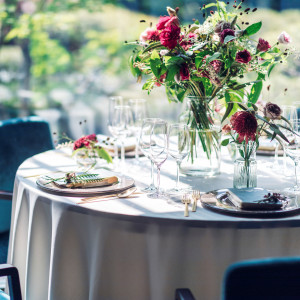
(63, 59)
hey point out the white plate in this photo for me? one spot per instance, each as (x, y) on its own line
(123, 184)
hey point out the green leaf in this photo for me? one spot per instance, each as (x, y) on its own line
(271, 69)
(252, 29)
(228, 111)
(266, 55)
(152, 46)
(155, 64)
(277, 130)
(225, 142)
(229, 38)
(148, 85)
(255, 92)
(213, 57)
(102, 153)
(134, 70)
(172, 71)
(199, 58)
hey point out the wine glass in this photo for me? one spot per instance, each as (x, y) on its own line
(144, 145)
(120, 126)
(289, 112)
(113, 102)
(179, 147)
(138, 108)
(293, 151)
(159, 151)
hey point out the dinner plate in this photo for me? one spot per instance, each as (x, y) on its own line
(124, 182)
(219, 201)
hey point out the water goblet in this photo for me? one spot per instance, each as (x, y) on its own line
(113, 102)
(179, 147)
(144, 145)
(293, 152)
(120, 127)
(159, 151)
(139, 113)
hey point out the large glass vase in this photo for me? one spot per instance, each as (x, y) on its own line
(204, 157)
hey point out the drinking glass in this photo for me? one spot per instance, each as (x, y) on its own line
(293, 151)
(139, 113)
(144, 145)
(113, 102)
(289, 112)
(159, 151)
(179, 147)
(120, 126)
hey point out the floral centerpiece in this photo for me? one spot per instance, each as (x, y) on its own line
(86, 150)
(245, 129)
(207, 63)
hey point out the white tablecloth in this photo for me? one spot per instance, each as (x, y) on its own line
(136, 248)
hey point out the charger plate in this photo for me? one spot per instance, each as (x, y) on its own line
(124, 182)
(220, 201)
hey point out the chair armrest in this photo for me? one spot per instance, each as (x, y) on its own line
(13, 280)
(184, 294)
(5, 195)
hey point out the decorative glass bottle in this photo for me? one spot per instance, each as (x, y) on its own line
(245, 166)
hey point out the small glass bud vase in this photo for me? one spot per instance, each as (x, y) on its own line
(85, 158)
(245, 166)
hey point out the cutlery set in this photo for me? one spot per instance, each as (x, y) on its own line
(186, 200)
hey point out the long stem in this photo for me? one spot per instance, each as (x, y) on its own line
(122, 153)
(152, 173)
(158, 180)
(177, 175)
(296, 188)
(136, 147)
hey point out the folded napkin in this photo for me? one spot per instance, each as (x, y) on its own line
(256, 199)
(84, 180)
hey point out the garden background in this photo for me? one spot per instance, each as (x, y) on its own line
(62, 59)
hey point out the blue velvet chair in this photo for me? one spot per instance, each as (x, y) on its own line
(263, 279)
(20, 138)
(12, 274)
(183, 294)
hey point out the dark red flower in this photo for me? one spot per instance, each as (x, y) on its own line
(170, 36)
(167, 21)
(153, 35)
(184, 72)
(85, 141)
(243, 57)
(272, 111)
(225, 33)
(245, 124)
(263, 45)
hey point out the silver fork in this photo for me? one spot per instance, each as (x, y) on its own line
(186, 200)
(196, 196)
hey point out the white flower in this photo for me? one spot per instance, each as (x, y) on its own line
(163, 52)
(144, 34)
(216, 38)
(284, 38)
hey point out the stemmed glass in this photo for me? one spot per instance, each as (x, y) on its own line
(138, 108)
(292, 150)
(144, 145)
(289, 112)
(120, 126)
(113, 102)
(159, 151)
(179, 147)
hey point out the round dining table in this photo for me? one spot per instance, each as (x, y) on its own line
(135, 248)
